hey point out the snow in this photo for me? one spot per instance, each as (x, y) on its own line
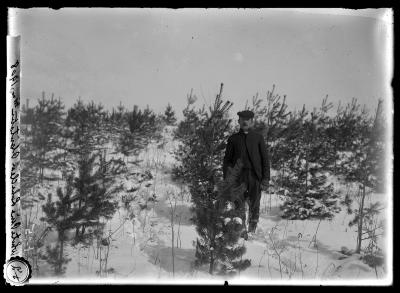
(237, 220)
(141, 250)
(226, 221)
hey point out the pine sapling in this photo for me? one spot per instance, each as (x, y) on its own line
(60, 216)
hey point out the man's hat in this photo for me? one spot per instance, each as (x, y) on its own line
(246, 114)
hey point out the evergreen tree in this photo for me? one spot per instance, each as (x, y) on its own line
(270, 116)
(30, 173)
(41, 148)
(184, 133)
(309, 194)
(84, 128)
(29, 169)
(342, 131)
(287, 149)
(85, 134)
(169, 115)
(137, 121)
(45, 140)
(230, 205)
(204, 145)
(191, 120)
(87, 201)
(114, 124)
(60, 216)
(92, 202)
(137, 130)
(365, 165)
(120, 113)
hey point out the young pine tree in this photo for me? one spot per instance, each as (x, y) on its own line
(310, 195)
(188, 125)
(342, 131)
(137, 130)
(59, 215)
(185, 133)
(45, 135)
(169, 115)
(230, 207)
(92, 201)
(271, 115)
(365, 165)
(84, 122)
(30, 176)
(204, 145)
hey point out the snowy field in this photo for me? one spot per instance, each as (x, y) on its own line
(144, 231)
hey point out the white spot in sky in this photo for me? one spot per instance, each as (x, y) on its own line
(238, 57)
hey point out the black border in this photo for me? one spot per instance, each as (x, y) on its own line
(220, 4)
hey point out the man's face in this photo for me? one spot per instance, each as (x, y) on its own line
(246, 124)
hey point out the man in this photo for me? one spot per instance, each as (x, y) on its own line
(250, 147)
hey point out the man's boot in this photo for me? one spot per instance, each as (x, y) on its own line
(252, 227)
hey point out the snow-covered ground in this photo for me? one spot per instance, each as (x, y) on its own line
(141, 248)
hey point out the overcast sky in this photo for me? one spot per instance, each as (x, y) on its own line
(155, 56)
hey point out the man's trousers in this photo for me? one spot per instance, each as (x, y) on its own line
(253, 193)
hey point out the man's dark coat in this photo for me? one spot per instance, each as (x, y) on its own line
(257, 151)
